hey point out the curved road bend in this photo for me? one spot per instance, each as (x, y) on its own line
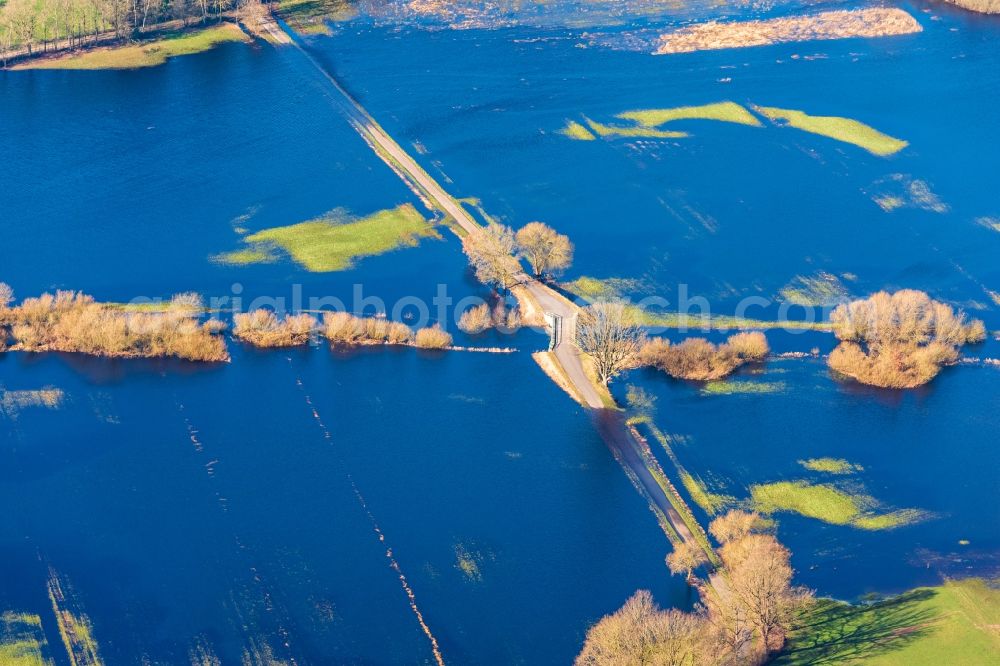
(610, 423)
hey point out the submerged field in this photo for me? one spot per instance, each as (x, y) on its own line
(374, 505)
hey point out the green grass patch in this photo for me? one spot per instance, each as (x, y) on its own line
(729, 112)
(149, 54)
(245, 257)
(955, 623)
(834, 127)
(831, 465)
(335, 241)
(829, 504)
(22, 641)
(736, 387)
(575, 130)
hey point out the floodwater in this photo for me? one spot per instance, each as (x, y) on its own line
(288, 504)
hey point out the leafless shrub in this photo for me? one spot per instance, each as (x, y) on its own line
(699, 359)
(899, 340)
(262, 328)
(476, 320)
(433, 338)
(751, 347)
(73, 322)
(347, 329)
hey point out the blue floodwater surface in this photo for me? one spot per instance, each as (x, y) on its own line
(322, 506)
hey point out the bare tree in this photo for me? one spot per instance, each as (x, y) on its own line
(641, 633)
(734, 525)
(605, 334)
(6, 295)
(685, 558)
(760, 577)
(547, 252)
(491, 255)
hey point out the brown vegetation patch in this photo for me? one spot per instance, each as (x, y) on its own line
(347, 329)
(483, 317)
(871, 22)
(698, 359)
(262, 328)
(899, 340)
(433, 338)
(74, 322)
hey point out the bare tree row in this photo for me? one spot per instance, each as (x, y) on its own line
(39, 25)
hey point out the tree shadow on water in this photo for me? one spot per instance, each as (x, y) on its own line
(834, 632)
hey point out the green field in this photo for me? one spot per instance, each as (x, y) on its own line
(829, 504)
(335, 241)
(148, 54)
(955, 623)
(842, 129)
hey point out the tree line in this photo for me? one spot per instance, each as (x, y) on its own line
(35, 25)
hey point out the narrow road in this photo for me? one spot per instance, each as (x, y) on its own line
(610, 422)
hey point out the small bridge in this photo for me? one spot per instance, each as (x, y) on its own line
(554, 323)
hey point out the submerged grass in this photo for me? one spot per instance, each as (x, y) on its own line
(831, 465)
(309, 17)
(74, 627)
(335, 241)
(834, 127)
(12, 402)
(598, 289)
(711, 503)
(829, 504)
(716, 322)
(729, 112)
(815, 290)
(632, 132)
(22, 640)
(149, 54)
(955, 623)
(734, 387)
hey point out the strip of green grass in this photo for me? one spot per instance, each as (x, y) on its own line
(842, 129)
(735, 387)
(335, 241)
(955, 623)
(149, 54)
(729, 112)
(717, 322)
(831, 465)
